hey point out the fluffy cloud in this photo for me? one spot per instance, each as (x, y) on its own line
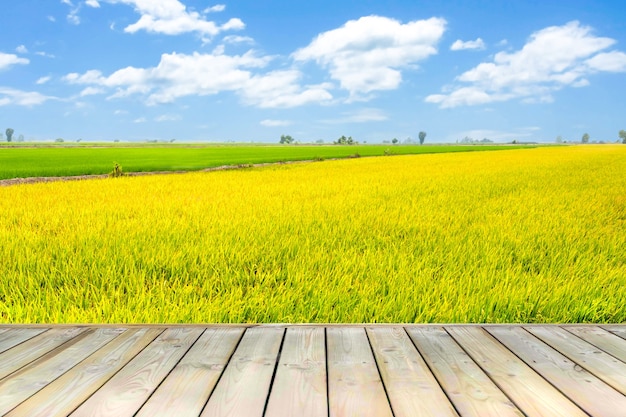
(43, 80)
(92, 3)
(171, 17)
(554, 57)
(365, 55)
(282, 89)
(459, 45)
(180, 75)
(21, 98)
(6, 60)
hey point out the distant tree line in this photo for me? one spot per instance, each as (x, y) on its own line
(585, 138)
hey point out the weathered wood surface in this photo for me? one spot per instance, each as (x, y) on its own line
(314, 371)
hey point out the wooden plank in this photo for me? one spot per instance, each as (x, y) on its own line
(590, 393)
(619, 330)
(532, 394)
(126, 392)
(354, 384)
(21, 355)
(299, 387)
(245, 384)
(601, 364)
(187, 388)
(605, 340)
(32, 378)
(13, 337)
(67, 392)
(468, 387)
(411, 387)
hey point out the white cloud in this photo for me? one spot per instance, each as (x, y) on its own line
(72, 16)
(180, 75)
(168, 118)
(21, 98)
(365, 55)
(44, 54)
(51, 18)
(171, 17)
(237, 39)
(92, 3)
(360, 116)
(553, 58)
(90, 91)
(216, 8)
(43, 80)
(21, 49)
(6, 60)
(459, 45)
(610, 61)
(275, 123)
(282, 89)
(140, 120)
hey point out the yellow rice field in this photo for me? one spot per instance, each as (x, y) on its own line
(530, 235)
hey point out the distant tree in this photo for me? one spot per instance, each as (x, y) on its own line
(622, 135)
(286, 139)
(59, 140)
(9, 133)
(1, 136)
(345, 141)
(559, 139)
(422, 136)
(585, 138)
(20, 138)
(394, 141)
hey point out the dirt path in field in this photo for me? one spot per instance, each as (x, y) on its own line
(34, 180)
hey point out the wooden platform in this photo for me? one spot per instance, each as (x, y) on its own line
(378, 370)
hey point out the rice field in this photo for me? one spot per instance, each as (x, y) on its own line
(20, 160)
(525, 235)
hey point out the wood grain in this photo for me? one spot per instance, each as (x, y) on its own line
(617, 330)
(411, 387)
(32, 378)
(583, 388)
(532, 394)
(299, 387)
(13, 337)
(187, 388)
(126, 392)
(67, 392)
(469, 388)
(604, 366)
(21, 355)
(605, 340)
(354, 384)
(245, 384)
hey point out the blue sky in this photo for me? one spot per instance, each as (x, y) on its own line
(251, 70)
